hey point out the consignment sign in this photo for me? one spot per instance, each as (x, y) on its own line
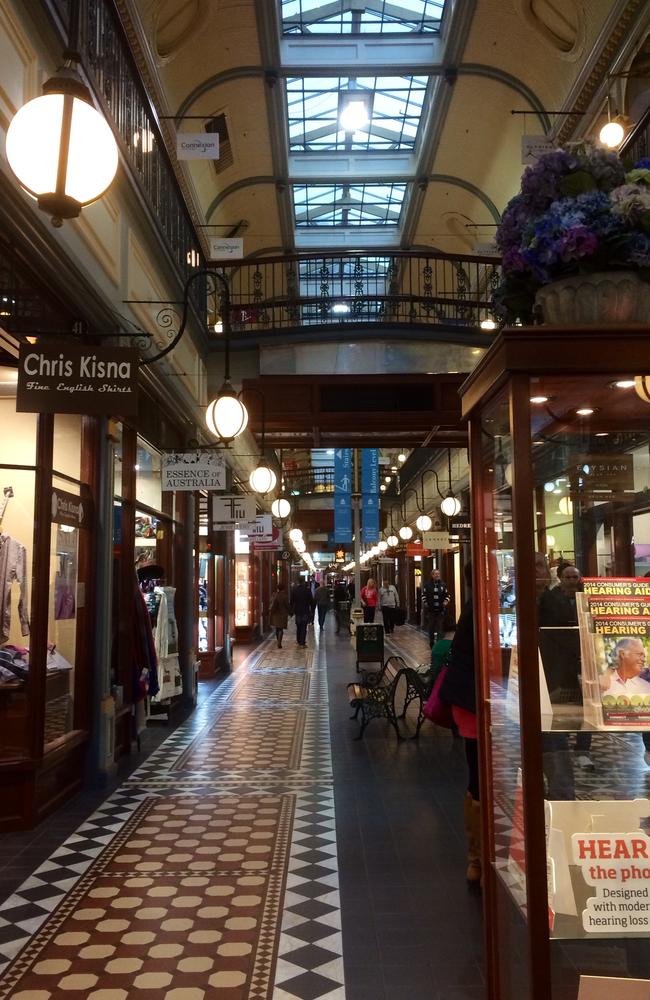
(69, 378)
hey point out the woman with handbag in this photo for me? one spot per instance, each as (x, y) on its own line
(369, 600)
(458, 690)
(279, 612)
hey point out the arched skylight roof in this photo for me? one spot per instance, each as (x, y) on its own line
(341, 17)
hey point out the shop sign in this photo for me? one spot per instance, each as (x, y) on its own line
(435, 539)
(416, 550)
(260, 529)
(534, 146)
(273, 544)
(230, 511)
(461, 528)
(193, 470)
(224, 247)
(602, 474)
(69, 509)
(197, 145)
(69, 378)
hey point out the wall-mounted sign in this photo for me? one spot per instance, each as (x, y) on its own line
(197, 146)
(69, 378)
(435, 539)
(224, 247)
(230, 511)
(593, 475)
(193, 470)
(70, 510)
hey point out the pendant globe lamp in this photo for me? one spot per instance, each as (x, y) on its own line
(262, 479)
(423, 522)
(281, 508)
(450, 505)
(405, 532)
(59, 147)
(392, 541)
(226, 416)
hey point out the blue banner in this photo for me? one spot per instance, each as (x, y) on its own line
(370, 470)
(343, 519)
(370, 513)
(343, 470)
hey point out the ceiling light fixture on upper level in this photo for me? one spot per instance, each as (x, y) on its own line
(488, 324)
(354, 109)
(60, 148)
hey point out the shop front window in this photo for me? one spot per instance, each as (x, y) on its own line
(148, 486)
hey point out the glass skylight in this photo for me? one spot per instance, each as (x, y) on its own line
(394, 103)
(347, 204)
(344, 17)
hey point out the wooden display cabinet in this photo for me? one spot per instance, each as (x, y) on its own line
(560, 468)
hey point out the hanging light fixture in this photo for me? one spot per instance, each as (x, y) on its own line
(392, 541)
(450, 505)
(423, 522)
(226, 416)
(60, 148)
(405, 532)
(382, 545)
(281, 508)
(295, 534)
(262, 479)
(613, 131)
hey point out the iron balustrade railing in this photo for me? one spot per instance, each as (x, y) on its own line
(452, 292)
(309, 480)
(637, 144)
(115, 81)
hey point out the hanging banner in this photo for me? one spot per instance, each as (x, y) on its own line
(229, 511)
(370, 470)
(193, 470)
(69, 378)
(370, 514)
(197, 146)
(343, 495)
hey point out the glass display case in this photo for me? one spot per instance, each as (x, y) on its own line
(243, 594)
(560, 462)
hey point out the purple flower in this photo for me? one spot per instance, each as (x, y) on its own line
(577, 243)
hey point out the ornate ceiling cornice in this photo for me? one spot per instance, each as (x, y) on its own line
(600, 68)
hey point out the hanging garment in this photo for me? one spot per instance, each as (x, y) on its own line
(13, 567)
(145, 663)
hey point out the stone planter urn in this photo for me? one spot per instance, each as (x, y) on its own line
(601, 297)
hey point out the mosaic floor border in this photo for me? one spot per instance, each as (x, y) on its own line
(309, 962)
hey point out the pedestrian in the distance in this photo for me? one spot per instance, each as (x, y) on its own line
(369, 600)
(279, 612)
(437, 598)
(322, 599)
(302, 606)
(388, 602)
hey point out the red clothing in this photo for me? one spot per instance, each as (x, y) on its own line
(370, 597)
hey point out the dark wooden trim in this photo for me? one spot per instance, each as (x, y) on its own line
(40, 583)
(523, 519)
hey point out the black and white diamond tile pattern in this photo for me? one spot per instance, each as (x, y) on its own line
(309, 964)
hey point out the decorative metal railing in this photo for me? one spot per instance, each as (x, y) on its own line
(389, 288)
(309, 480)
(636, 145)
(112, 74)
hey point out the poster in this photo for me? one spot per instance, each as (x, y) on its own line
(614, 621)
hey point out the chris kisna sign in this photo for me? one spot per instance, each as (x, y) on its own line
(64, 378)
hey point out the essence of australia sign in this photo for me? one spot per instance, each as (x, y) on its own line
(68, 378)
(193, 470)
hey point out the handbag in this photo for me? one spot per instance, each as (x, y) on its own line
(436, 710)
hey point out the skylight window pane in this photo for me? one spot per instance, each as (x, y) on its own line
(341, 205)
(395, 104)
(344, 17)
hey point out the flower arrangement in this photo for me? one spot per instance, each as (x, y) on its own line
(578, 211)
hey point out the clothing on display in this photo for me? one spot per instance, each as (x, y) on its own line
(13, 568)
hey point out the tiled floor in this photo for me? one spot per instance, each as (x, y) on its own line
(213, 870)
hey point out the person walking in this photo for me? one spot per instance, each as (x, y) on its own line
(302, 606)
(322, 599)
(369, 600)
(341, 605)
(458, 689)
(388, 602)
(437, 598)
(279, 612)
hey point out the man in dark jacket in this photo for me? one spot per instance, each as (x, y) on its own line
(302, 606)
(437, 598)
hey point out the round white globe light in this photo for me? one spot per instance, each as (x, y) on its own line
(281, 508)
(566, 506)
(405, 532)
(612, 134)
(374, 550)
(450, 506)
(423, 522)
(382, 545)
(550, 541)
(295, 534)
(392, 541)
(262, 479)
(62, 184)
(300, 545)
(401, 457)
(226, 416)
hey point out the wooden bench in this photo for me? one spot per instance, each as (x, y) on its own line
(375, 697)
